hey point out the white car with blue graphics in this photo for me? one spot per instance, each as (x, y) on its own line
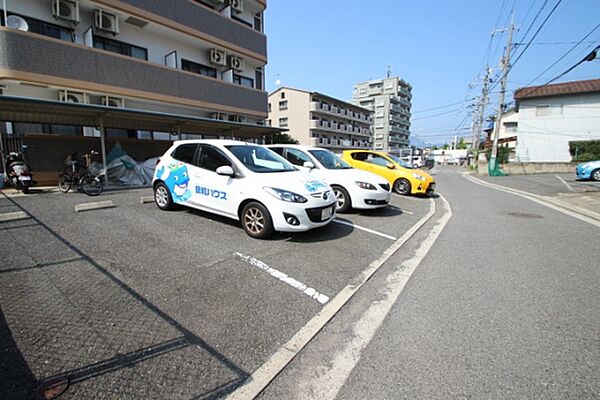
(243, 181)
(353, 187)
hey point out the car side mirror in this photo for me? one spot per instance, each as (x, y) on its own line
(308, 164)
(225, 170)
(391, 166)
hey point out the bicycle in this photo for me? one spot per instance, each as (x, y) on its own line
(81, 177)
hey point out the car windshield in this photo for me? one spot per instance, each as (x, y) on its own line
(329, 160)
(400, 161)
(260, 159)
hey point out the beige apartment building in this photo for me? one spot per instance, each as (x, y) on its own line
(319, 120)
(82, 75)
(390, 101)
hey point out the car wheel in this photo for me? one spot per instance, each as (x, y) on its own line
(162, 197)
(342, 198)
(595, 175)
(402, 186)
(256, 220)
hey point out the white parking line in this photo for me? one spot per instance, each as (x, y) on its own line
(260, 378)
(362, 228)
(401, 209)
(327, 380)
(310, 292)
(565, 183)
(546, 201)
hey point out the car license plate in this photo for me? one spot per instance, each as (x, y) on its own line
(24, 178)
(326, 213)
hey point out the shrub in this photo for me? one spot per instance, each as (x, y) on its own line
(503, 153)
(585, 150)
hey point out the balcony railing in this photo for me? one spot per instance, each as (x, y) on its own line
(55, 60)
(201, 19)
(316, 106)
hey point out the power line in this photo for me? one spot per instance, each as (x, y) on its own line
(441, 107)
(564, 55)
(529, 43)
(436, 115)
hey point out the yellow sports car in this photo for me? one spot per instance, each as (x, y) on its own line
(403, 178)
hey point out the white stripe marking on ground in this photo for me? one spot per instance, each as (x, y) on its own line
(565, 183)
(310, 292)
(259, 380)
(362, 228)
(535, 198)
(13, 216)
(326, 381)
(401, 209)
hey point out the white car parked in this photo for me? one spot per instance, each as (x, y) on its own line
(243, 181)
(353, 188)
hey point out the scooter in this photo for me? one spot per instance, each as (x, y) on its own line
(18, 173)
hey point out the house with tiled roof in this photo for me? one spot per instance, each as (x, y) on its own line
(550, 116)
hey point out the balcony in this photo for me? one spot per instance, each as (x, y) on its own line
(329, 127)
(55, 62)
(186, 16)
(338, 144)
(318, 107)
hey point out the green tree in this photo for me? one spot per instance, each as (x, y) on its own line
(283, 138)
(461, 144)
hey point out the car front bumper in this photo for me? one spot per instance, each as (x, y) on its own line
(307, 215)
(369, 199)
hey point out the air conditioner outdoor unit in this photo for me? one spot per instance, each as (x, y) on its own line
(72, 97)
(106, 22)
(237, 5)
(237, 63)
(217, 57)
(117, 102)
(66, 9)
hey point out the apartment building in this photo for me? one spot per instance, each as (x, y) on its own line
(319, 120)
(140, 72)
(390, 101)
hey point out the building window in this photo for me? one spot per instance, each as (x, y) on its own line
(120, 47)
(283, 105)
(199, 69)
(258, 22)
(542, 111)
(270, 108)
(283, 122)
(243, 81)
(45, 28)
(282, 95)
(510, 126)
(238, 19)
(259, 78)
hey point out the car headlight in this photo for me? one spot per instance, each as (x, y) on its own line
(285, 195)
(419, 177)
(365, 185)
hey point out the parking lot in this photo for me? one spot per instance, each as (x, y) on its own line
(132, 301)
(546, 184)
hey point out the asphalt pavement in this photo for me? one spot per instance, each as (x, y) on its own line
(134, 302)
(503, 305)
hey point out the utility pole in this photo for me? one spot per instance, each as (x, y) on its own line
(493, 169)
(483, 102)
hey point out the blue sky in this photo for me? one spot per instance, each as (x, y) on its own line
(438, 46)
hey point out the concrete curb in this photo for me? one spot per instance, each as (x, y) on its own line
(13, 216)
(146, 199)
(94, 206)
